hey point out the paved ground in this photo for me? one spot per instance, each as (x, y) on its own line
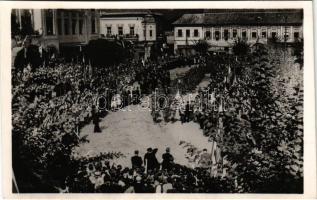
(126, 131)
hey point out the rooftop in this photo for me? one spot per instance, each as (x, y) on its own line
(127, 13)
(236, 17)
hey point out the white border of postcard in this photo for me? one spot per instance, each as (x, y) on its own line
(309, 94)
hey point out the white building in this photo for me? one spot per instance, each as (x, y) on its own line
(137, 26)
(221, 29)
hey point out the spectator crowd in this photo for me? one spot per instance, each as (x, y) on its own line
(101, 175)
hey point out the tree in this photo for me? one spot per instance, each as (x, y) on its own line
(299, 52)
(262, 136)
(202, 47)
(240, 48)
(104, 53)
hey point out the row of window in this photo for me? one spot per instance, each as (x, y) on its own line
(226, 34)
(180, 33)
(131, 31)
(120, 30)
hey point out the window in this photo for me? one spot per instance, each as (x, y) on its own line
(274, 35)
(286, 33)
(109, 30)
(263, 34)
(217, 35)
(120, 30)
(151, 33)
(196, 34)
(253, 35)
(74, 24)
(66, 26)
(234, 33)
(296, 35)
(93, 25)
(59, 26)
(226, 34)
(187, 33)
(207, 34)
(81, 24)
(244, 34)
(49, 22)
(131, 30)
(180, 33)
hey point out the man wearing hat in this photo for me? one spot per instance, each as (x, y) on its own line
(150, 160)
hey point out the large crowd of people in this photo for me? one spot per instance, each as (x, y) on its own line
(61, 98)
(53, 100)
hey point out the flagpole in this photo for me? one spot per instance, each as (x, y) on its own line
(15, 182)
(212, 149)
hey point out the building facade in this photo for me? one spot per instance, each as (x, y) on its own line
(136, 26)
(58, 28)
(221, 29)
(139, 27)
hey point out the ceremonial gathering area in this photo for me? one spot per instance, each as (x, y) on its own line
(157, 100)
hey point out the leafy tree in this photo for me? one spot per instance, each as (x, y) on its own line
(299, 52)
(202, 47)
(262, 135)
(240, 47)
(103, 53)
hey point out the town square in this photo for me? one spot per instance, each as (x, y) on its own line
(157, 100)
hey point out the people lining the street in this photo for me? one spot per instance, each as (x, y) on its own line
(64, 97)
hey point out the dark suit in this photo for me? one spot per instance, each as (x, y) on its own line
(95, 119)
(167, 161)
(136, 162)
(150, 160)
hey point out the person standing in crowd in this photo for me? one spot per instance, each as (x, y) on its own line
(205, 159)
(95, 119)
(182, 114)
(187, 112)
(139, 187)
(136, 160)
(168, 160)
(150, 160)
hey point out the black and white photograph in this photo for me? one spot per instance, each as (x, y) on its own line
(148, 100)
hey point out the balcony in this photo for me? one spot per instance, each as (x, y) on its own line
(122, 37)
